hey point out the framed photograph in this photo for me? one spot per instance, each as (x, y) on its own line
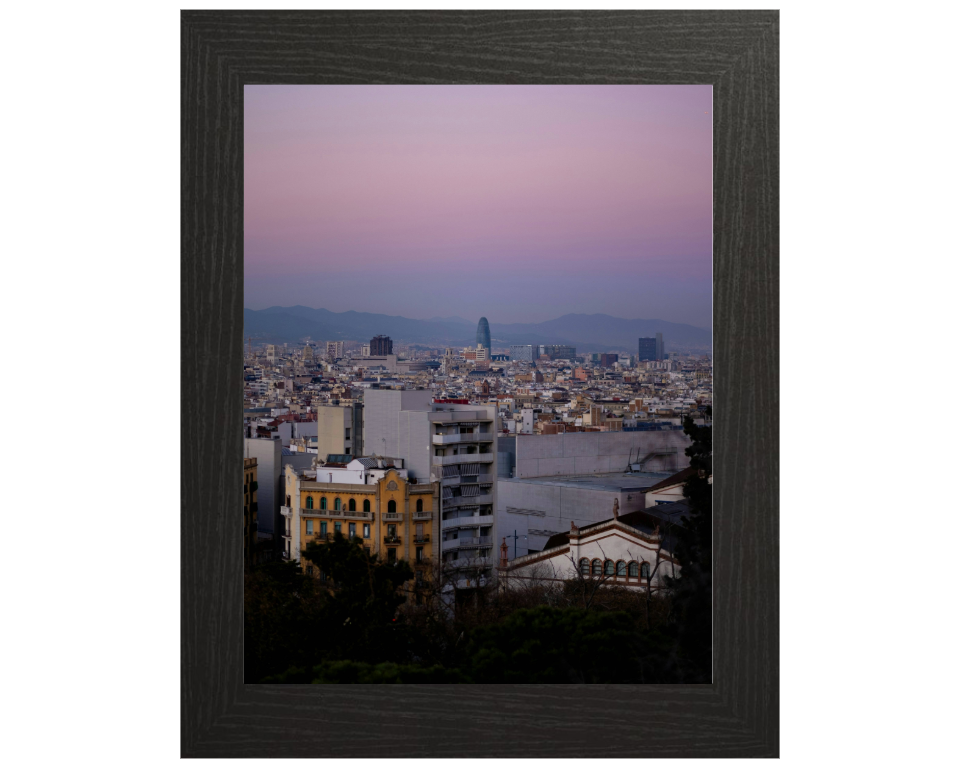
(466, 471)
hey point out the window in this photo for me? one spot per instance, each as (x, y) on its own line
(645, 571)
(391, 507)
(392, 531)
(621, 568)
(309, 502)
(597, 568)
(353, 505)
(419, 530)
(309, 527)
(336, 504)
(585, 567)
(608, 568)
(634, 570)
(323, 502)
(419, 505)
(352, 530)
(366, 505)
(288, 502)
(337, 527)
(323, 527)
(366, 530)
(419, 554)
(366, 551)
(309, 570)
(391, 555)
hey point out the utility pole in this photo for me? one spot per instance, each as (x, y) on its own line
(515, 537)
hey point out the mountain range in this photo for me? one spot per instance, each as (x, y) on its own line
(589, 333)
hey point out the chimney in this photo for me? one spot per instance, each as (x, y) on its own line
(503, 553)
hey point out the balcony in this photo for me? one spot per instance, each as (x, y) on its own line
(392, 540)
(467, 522)
(286, 534)
(459, 501)
(425, 539)
(286, 511)
(459, 479)
(470, 437)
(457, 417)
(464, 458)
(476, 541)
(335, 513)
(423, 515)
(388, 516)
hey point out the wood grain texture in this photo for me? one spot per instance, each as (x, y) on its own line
(736, 52)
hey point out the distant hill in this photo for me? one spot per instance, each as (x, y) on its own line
(589, 333)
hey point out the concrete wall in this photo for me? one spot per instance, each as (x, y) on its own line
(594, 452)
(331, 422)
(538, 510)
(381, 419)
(270, 490)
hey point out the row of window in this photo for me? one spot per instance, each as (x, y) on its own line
(352, 505)
(352, 529)
(609, 568)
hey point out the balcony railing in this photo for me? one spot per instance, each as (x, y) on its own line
(470, 437)
(336, 513)
(425, 539)
(392, 540)
(464, 458)
(459, 501)
(456, 417)
(423, 515)
(467, 522)
(485, 478)
(388, 516)
(286, 511)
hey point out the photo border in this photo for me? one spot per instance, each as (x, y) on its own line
(737, 52)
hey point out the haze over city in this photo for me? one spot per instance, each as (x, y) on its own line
(544, 200)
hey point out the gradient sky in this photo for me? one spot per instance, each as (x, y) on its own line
(520, 203)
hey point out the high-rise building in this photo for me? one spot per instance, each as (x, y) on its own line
(649, 347)
(250, 511)
(558, 351)
(522, 352)
(381, 345)
(335, 349)
(660, 346)
(340, 429)
(608, 359)
(456, 444)
(483, 334)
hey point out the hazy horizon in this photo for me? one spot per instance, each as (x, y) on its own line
(517, 203)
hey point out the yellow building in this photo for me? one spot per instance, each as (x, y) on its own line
(249, 511)
(372, 500)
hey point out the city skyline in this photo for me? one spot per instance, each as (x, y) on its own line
(544, 199)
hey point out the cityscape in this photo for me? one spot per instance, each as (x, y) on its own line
(430, 497)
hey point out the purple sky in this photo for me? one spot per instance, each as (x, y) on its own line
(520, 203)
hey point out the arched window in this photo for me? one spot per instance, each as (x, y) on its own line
(419, 505)
(608, 568)
(634, 569)
(323, 502)
(353, 505)
(621, 568)
(309, 502)
(645, 571)
(597, 568)
(336, 504)
(366, 505)
(391, 507)
(585, 567)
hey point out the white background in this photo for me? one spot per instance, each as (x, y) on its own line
(869, 345)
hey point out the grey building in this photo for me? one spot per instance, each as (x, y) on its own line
(268, 456)
(651, 347)
(558, 351)
(522, 352)
(549, 481)
(483, 334)
(340, 429)
(455, 444)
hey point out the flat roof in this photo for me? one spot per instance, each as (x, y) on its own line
(604, 481)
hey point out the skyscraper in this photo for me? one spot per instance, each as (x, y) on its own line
(651, 348)
(381, 345)
(483, 334)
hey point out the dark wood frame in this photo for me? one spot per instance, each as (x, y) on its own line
(736, 52)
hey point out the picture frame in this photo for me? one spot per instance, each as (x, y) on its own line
(734, 51)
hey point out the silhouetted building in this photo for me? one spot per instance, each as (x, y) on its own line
(651, 348)
(381, 345)
(607, 360)
(483, 334)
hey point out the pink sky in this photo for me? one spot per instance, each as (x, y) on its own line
(535, 191)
